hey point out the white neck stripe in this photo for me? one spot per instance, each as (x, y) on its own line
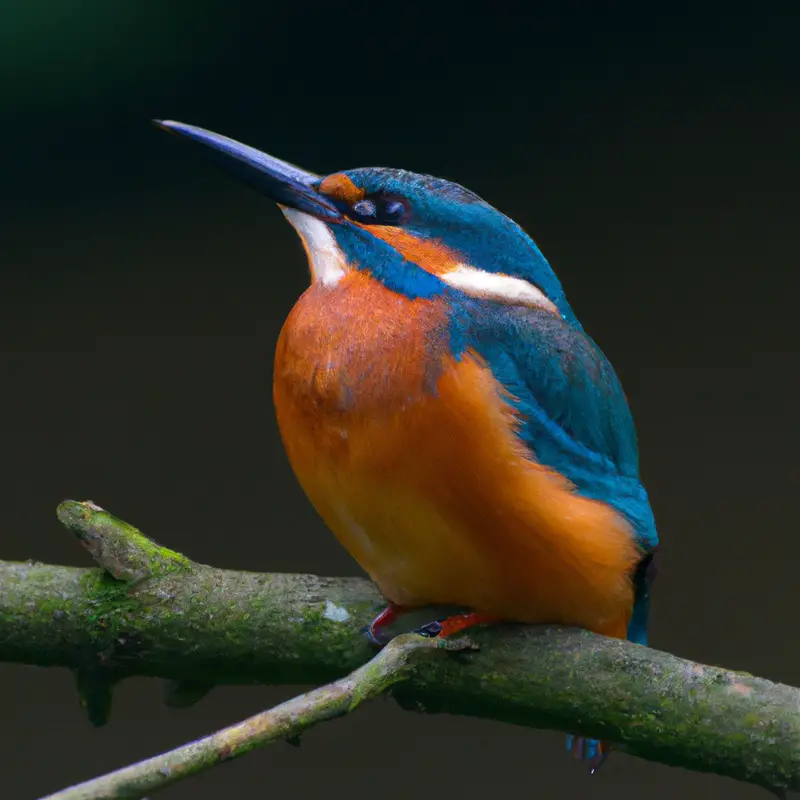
(497, 286)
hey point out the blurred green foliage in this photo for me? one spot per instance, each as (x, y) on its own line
(55, 52)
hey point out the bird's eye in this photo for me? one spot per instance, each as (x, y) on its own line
(365, 208)
(377, 209)
(394, 209)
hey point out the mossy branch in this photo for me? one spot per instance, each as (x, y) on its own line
(198, 626)
(122, 551)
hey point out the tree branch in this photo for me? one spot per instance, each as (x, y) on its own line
(198, 626)
(287, 720)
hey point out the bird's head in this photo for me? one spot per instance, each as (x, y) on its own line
(420, 236)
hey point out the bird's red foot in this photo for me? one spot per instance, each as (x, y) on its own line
(450, 626)
(375, 630)
(592, 752)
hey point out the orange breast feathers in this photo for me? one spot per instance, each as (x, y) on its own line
(411, 458)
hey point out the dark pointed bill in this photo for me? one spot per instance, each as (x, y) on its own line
(282, 182)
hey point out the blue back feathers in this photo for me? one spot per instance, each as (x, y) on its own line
(575, 415)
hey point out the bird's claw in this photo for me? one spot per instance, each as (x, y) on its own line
(430, 630)
(373, 638)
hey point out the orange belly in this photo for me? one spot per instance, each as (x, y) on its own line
(431, 491)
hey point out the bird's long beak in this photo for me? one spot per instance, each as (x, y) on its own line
(282, 182)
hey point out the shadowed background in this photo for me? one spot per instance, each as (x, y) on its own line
(654, 160)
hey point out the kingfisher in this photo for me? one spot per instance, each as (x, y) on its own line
(445, 412)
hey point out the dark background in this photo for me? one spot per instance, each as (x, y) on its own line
(653, 157)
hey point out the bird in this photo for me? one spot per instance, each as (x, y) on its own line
(446, 413)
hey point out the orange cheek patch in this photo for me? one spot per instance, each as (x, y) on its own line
(341, 187)
(431, 255)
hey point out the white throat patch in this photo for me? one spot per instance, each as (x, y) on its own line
(501, 288)
(325, 258)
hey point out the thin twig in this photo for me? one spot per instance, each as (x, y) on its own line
(286, 721)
